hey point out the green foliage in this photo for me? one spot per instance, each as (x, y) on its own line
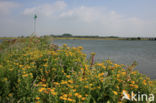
(66, 35)
(33, 70)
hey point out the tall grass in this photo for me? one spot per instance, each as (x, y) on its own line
(34, 71)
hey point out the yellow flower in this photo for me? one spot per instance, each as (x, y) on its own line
(64, 98)
(68, 76)
(64, 45)
(37, 98)
(20, 66)
(79, 96)
(109, 61)
(133, 94)
(64, 82)
(86, 95)
(5, 79)
(70, 81)
(86, 67)
(86, 86)
(52, 90)
(123, 73)
(135, 86)
(125, 92)
(65, 95)
(99, 64)
(54, 69)
(46, 91)
(74, 90)
(134, 72)
(117, 65)
(61, 97)
(69, 99)
(45, 65)
(70, 53)
(10, 95)
(117, 87)
(70, 95)
(80, 47)
(144, 82)
(118, 75)
(41, 89)
(25, 75)
(101, 74)
(53, 93)
(11, 69)
(74, 48)
(115, 92)
(148, 78)
(150, 82)
(70, 86)
(92, 53)
(56, 83)
(76, 94)
(44, 85)
(83, 98)
(133, 82)
(104, 67)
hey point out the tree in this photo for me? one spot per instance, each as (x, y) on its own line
(138, 38)
(67, 34)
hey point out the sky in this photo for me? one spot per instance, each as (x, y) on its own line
(124, 18)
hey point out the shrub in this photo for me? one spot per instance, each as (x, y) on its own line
(35, 71)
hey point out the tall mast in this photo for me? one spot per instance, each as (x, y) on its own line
(35, 17)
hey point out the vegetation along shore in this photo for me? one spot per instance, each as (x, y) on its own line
(32, 70)
(73, 37)
(70, 36)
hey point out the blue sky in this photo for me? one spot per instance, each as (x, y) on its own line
(126, 18)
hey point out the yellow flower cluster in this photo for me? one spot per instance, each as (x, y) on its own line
(39, 73)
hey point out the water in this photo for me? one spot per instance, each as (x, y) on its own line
(121, 51)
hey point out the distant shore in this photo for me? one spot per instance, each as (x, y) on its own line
(90, 38)
(7, 38)
(102, 38)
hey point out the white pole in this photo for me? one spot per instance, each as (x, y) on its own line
(35, 17)
(34, 25)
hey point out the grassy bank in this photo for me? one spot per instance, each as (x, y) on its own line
(154, 86)
(33, 70)
(76, 38)
(100, 38)
(7, 38)
(86, 38)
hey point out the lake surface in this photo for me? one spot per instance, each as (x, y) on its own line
(120, 51)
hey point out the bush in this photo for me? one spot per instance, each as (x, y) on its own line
(67, 35)
(35, 71)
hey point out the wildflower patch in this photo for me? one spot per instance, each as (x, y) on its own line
(31, 70)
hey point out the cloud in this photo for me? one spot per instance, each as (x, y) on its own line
(46, 9)
(7, 6)
(86, 14)
(88, 20)
(96, 15)
(59, 17)
(103, 21)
